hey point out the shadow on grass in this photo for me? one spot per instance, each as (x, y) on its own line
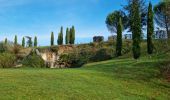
(141, 71)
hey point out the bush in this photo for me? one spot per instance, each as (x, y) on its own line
(7, 60)
(3, 47)
(126, 47)
(72, 60)
(102, 54)
(34, 61)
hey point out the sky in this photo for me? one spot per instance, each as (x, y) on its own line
(41, 17)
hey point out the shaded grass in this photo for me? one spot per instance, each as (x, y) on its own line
(117, 79)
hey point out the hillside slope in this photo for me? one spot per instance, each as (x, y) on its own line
(122, 79)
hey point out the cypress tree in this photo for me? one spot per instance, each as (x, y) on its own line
(15, 40)
(67, 36)
(6, 40)
(30, 42)
(52, 39)
(150, 29)
(70, 36)
(60, 37)
(58, 40)
(136, 28)
(23, 42)
(73, 35)
(35, 42)
(119, 38)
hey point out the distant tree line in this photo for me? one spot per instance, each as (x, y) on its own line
(69, 38)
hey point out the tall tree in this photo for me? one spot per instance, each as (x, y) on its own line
(23, 42)
(112, 20)
(61, 32)
(119, 38)
(142, 10)
(162, 15)
(15, 40)
(52, 39)
(60, 37)
(73, 35)
(136, 28)
(6, 40)
(150, 29)
(116, 23)
(70, 36)
(67, 39)
(35, 42)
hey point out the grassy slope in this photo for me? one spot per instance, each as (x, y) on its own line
(117, 79)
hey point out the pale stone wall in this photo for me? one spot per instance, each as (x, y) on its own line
(50, 58)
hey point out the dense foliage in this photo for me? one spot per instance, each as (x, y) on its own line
(112, 20)
(142, 10)
(162, 16)
(34, 61)
(150, 30)
(119, 38)
(35, 42)
(136, 28)
(101, 55)
(52, 39)
(23, 42)
(71, 60)
(67, 38)
(60, 37)
(7, 60)
(15, 40)
(6, 40)
(72, 35)
(3, 47)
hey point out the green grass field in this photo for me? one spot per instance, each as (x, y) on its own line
(117, 79)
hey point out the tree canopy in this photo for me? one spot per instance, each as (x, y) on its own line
(112, 20)
(162, 15)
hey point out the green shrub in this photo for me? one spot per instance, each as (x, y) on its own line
(34, 61)
(7, 60)
(102, 54)
(126, 47)
(3, 47)
(72, 60)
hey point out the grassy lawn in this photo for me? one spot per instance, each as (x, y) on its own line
(117, 79)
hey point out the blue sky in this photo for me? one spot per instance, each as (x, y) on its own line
(41, 17)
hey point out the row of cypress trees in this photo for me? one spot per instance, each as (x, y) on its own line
(23, 42)
(69, 37)
(136, 29)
